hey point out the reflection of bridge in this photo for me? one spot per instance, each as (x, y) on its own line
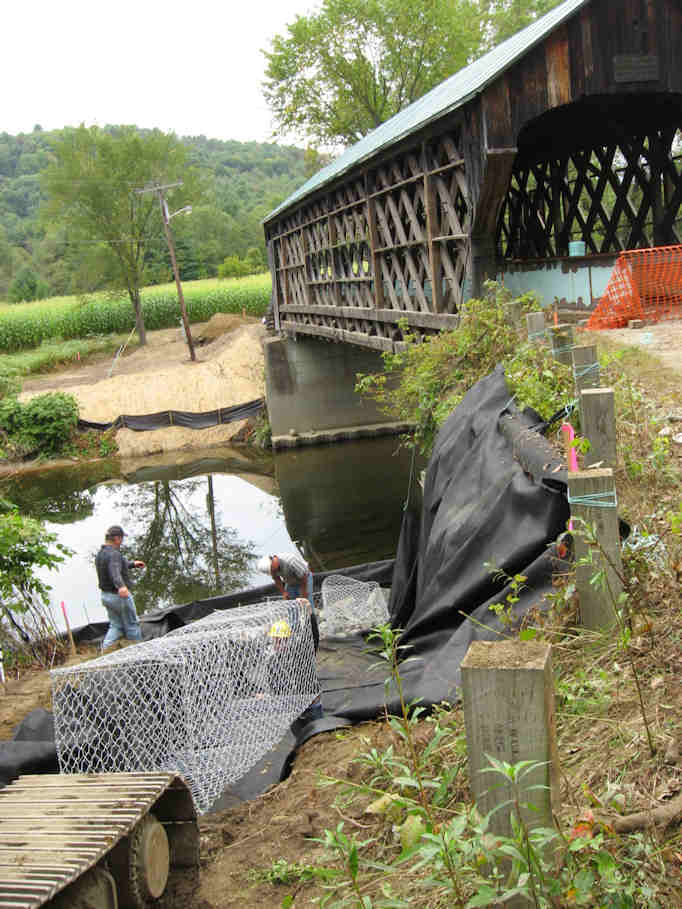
(568, 131)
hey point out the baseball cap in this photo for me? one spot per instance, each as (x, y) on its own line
(114, 531)
(264, 564)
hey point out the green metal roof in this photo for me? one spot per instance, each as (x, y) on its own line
(444, 98)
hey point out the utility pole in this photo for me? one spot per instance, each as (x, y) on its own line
(165, 217)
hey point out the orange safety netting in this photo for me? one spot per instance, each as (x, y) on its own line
(644, 284)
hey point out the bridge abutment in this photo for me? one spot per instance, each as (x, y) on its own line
(310, 392)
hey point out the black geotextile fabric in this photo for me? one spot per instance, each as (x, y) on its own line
(184, 418)
(494, 495)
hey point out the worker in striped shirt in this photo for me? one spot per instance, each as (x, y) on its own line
(291, 574)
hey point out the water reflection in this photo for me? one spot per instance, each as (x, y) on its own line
(199, 522)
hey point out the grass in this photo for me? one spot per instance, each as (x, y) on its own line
(52, 355)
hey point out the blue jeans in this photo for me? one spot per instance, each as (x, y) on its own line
(306, 586)
(123, 621)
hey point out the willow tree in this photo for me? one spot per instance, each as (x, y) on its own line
(93, 189)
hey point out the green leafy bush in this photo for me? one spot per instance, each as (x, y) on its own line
(424, 383)
(43, 425)
(48, 421)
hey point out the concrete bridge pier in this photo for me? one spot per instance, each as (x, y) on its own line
(310, 392)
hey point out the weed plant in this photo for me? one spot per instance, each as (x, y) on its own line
(27, 325)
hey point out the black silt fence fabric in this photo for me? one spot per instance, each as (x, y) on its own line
(183, 418)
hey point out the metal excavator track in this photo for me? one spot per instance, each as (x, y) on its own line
(101, 840)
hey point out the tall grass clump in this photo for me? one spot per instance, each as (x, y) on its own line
(27, 325)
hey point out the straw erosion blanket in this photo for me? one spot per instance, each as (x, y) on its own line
(160, 376)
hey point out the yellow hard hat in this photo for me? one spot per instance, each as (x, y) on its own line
(280, 629)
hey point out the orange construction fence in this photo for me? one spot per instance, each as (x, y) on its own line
(644, 284)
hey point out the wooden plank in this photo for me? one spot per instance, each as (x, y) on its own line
(436, 321)
(499, 164)
(497, 112)
(557, 59)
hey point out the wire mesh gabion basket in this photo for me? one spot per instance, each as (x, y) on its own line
(350, 606)
(206, 701)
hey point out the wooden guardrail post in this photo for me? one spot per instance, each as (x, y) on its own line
(585, 367)
(508, 698)
(515, 316)
(562, 343)
(536, 327)
(592, 497)
(598, 426)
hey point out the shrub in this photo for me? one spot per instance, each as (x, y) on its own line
(41, 426)
(424, 383)
(48, 422)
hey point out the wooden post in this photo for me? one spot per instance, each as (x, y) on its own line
(508, 698)
(515, 316)
(68, 630)
(598, 425)
(585, 367)
(592, 497)
(562, 343)
(537, 329)
(433, 245)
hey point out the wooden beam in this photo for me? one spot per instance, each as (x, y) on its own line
(436, 321)
(435, 262)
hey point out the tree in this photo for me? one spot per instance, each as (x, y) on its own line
(25, 545)
(92, 190)
(338, 73)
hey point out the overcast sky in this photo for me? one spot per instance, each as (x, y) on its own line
(193, 67)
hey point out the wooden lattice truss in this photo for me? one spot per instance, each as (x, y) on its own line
(389, 244)
(625, 195)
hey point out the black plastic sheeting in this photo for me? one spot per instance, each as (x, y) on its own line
(183, 418)
(494, 495)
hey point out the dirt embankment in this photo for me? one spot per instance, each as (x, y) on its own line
(161, 376)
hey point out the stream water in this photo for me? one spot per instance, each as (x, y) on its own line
(200, 520)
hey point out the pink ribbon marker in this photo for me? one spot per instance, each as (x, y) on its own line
(571, 455)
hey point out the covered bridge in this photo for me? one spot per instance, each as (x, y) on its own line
(566, 134)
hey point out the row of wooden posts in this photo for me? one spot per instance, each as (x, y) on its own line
(507, 686)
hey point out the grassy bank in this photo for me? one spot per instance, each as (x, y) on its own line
(27, 325)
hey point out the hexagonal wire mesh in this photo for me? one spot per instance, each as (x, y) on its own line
(349, 606)
(206, 701)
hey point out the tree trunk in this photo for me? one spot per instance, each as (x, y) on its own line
(139, 320)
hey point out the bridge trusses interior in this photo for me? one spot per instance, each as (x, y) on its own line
(607, 172)
(391, 243)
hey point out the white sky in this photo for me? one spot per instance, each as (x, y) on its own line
(189, 67)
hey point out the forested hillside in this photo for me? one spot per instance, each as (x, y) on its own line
(245, 181)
